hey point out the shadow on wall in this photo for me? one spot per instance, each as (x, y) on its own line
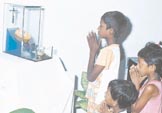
(125, 33)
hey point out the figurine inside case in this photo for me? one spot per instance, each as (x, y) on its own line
(23, 32)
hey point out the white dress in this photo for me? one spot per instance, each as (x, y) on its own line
(110, 58)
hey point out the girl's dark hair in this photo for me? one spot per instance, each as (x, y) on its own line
(122, 27)
(119, 23)
(152, 54)
(124, 92)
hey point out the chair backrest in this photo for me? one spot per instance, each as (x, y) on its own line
(74, 98)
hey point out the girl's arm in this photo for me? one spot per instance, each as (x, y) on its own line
(93, 70)
(149, 92)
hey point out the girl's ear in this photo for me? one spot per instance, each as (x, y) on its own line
(152, 67)
(115, 103)
(111, 31)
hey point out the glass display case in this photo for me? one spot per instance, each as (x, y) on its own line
(23, 32)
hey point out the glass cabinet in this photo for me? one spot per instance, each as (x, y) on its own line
(23, 32)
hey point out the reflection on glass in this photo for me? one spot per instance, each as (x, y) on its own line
(23, 32)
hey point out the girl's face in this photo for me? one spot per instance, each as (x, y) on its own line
(108, 99)
(102, 29)
(142, 67)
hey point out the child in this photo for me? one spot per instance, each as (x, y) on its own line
(120, 95)
(106, 66)
(150, 66)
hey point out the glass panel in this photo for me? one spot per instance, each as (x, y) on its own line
(23, 32)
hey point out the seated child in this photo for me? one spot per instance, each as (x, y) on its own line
(120, 95)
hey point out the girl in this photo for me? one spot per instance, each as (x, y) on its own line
(120, 95)
(105, 68)
(150, 66)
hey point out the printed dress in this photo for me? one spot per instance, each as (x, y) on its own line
(110, 58)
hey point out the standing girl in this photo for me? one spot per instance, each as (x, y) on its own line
(104, 64)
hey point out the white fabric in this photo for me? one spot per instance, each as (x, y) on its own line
(109, 74)
(41, 86)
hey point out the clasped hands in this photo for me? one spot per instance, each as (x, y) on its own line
(135, 76)
(93, 43)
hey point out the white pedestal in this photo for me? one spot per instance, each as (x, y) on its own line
(41, 86)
